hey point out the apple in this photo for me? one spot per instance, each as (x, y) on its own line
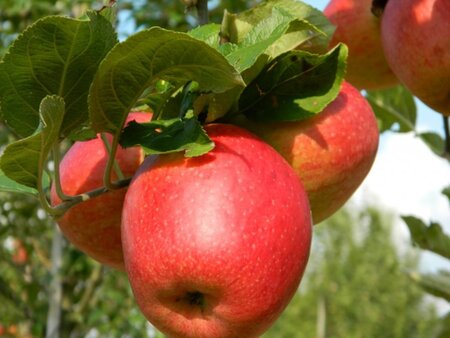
(216, 245)
(359, 29)
(93, 226)
(331, 153)
(20, 254)
(416, 40)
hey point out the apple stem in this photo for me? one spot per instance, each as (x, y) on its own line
(57, 161)
(447, 137)
(202, 12)
(116, 166)
(378, 7)
(42, 193)
(109, 185)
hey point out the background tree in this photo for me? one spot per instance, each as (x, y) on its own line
(356, 284)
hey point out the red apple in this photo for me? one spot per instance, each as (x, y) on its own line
(331, 153)
(93, 226)
(20, 254)
(359, 29)
(416, 40)
(215, 246)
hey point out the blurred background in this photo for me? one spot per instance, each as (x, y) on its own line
(361, 279)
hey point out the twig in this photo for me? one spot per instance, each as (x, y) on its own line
(202, 12)
(91, 284)
(447, 137)
(55, 291)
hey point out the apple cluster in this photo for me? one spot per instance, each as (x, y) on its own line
(407, 42)
(197, 235)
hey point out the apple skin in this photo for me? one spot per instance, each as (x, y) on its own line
(331, 153)
(93, 226)
(216, 245)
(416, 41)
(359, 29)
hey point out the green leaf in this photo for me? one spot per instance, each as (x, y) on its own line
(394, 108)
(430, 237)
(434, 141)
(23, 161)
(218, 105)
(446, 192)
(8, 185)
(146, 57)
(167, 136)
(297, 85)
(209, 34)
(436, 284)
(54, 56)
(259, 39)
(236, 26)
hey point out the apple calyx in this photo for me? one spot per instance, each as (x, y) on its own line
(378, 6)
(193, 298)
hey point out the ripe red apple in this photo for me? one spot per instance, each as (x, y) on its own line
(93, 226)
(359, 29)
(331, 153)
(216, 245)
(416, 40)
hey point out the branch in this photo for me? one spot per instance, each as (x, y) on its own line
(447, 137)
(55, 290)
(92, 283)
(60, 209)
(202, 12)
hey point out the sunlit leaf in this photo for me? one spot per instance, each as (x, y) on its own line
(146, 57)
(297, 85)
(394, 108)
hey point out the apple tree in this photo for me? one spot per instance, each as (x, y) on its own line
(66, 81)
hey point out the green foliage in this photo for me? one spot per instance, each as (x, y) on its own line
(446, 192)
(394, 107)
(297, 85)
(54, 56)
(93, 297)
(117, 77)
(125, 73)
(434, 239)
(355, 285)
(165, 136)
(31, 152)
(436, 284)
(237, 26)
(396, 111)
(8, 185)
(430, 237)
